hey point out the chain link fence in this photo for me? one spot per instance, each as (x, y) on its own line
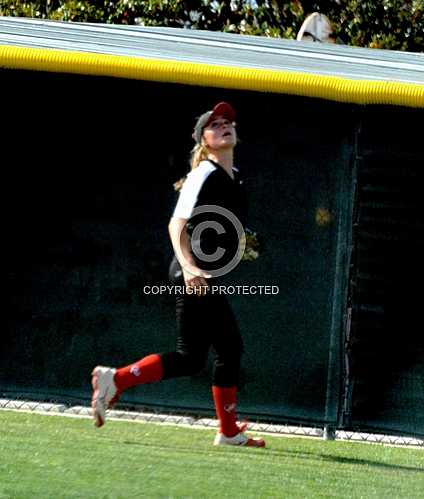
(136, 414)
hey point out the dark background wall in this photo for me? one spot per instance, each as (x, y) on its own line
(89, 194)
(386, 345)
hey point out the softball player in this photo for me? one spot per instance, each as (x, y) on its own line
(205, 238)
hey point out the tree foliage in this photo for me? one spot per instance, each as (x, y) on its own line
(388, 24)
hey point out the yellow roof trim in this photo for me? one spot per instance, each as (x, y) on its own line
(261, 80)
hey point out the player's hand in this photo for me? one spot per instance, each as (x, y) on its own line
(195, 280)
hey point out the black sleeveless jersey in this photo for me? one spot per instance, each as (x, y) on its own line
(215, 207)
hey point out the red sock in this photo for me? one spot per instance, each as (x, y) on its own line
(225, 406)
(147, 370)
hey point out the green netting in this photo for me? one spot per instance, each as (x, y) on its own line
(386, 345)
(90, 195)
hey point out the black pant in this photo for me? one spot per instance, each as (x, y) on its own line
(204, 322)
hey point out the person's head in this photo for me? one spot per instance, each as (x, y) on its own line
(316, 28)
(214, 130)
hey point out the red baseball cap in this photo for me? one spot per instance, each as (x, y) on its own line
(221, 109)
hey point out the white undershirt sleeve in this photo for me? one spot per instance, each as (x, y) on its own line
(191, 188)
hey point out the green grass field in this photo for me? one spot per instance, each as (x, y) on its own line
(59, 457)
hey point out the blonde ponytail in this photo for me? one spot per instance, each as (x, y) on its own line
(198, 154)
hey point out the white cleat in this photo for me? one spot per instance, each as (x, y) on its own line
(239, 439)
(104, 391)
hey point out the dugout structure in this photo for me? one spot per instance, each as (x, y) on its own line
(96, 129)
